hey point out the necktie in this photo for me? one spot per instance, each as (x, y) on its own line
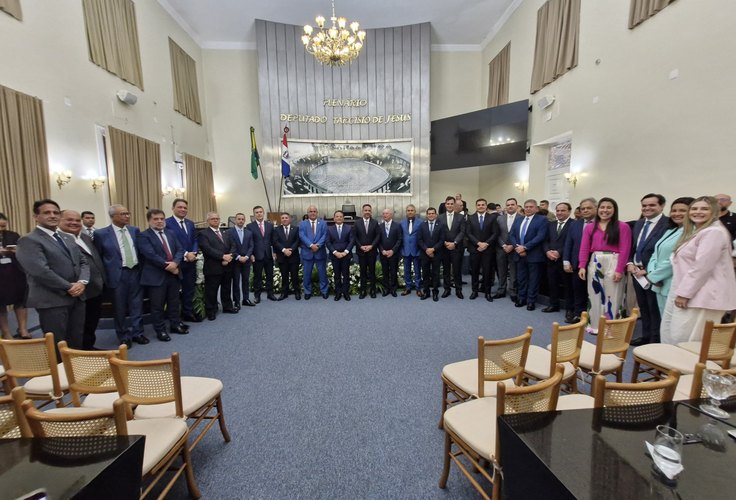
(314, 229)
(524, 225)
(219, 235)
(169, 257)
(91, 233)
(240, 235)
(260, 226)
(642, 241)
(339, 231)
(366, 224)
(62, 244)
(128, 257)
(410, 225)
(480, 221)
(286, 232)
(183, 226)
(431, 227)
(388, 228)
(559, 227)
(449, 220)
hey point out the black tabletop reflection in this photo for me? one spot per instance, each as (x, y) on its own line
(600, 454)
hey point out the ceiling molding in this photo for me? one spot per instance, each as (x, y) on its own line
(181, 22)
(500, 23)
(230, 46)
(455, 48)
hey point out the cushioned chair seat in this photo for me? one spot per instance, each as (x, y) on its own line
(195, 393)
(609, 362)
(161, 435)
(575, 402)
(44, 385)
(670, 356)
(104, 400)
(693, 347)
(538, 361)
(474, 422)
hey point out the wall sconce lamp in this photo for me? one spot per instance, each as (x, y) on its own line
(97, 183)
(521, 186)
(572, 179)
(63, 178)
(177, 192)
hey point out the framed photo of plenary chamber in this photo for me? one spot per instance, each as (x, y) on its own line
(349, 168)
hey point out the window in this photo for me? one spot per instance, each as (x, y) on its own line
(184, 77)
(556, 47)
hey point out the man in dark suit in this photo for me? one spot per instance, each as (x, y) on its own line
(286, 248)
(71, 224)
(554, 248)
(186, 235)
(505, 264)
(241, 248)
(527, 236)
(340, 246)
(312, 237)
(389, 247)
(482, 231)
(88, 223)
(452, 255)
(218, 272)
(160, 276)
(57, 274)
(410, 251)
(262, 258)
(117, 246)
(366, 243)
(570, 260)
(647, 231)
(431, 242)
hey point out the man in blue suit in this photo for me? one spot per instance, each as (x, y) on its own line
(388, 249)
(262, 258)
(186, 235)
(241, 247)
(410, 251)
(117, 245)
(570, 260)
(527, 236)
(340, 246)
(160, 276)
(312, 237)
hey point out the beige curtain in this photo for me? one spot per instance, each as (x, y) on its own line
(24, 161)
(556, 48)
(135, 180)
(184, 77)
(200, 187)
(498, 79)
(641, 10)
(112, 37)
(12, 7)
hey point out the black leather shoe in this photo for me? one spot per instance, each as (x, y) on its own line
(514, 298)
(337, 297)
(499, 295)
(393, 293)
(248, 303)
(271, 296)
(489, 298)
(127, 343)
(257, 299)
(424, 296)
(435, 296)
(212, 316)
(373, 294)
(474, 295)
(282, 297)
(230, 311)
(446, 293)
(325, 295)
(297, 295)
(459, 294)
(385, 293)
(347, 296)
(420, 294)
(141, 339)
(520, 303)
(531, 307)
(639, 341)
(307, 296)
(163, 336)
(405, 292)
(191, 318)
(551, 309)
(361, 295)
(569, 315)
(181, 329)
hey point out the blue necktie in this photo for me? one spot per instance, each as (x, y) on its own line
(522, 233)
(480, 220)
(240, 235)
(642, 241)
(62, 244)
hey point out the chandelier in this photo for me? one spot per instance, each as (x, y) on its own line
(336, 45)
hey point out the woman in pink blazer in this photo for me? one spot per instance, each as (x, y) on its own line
(703, 282)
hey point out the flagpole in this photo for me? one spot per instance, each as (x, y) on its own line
(265, 190)
(256, 162)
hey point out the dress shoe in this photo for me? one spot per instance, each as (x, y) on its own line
(141, 339)
(361, 295)
(520, 303)
(337, 297)
(489, 298)
(257, 298)
(420, 294)
(191, 318)
(211, 316)
(639, 341)
(230, 310)
(499, 295)
(405, 292)
(248, 303)
(272, 297)
(127, 343)
(569, 315)
(514, 298)
(347, 296)
(424, 296)
(435, 296)
(325, 295)
(551, 309)
(307, 296)
(393, 293)
(474, 295)
(531, 307)
(373, 294)
(446, 293)
(459, 294)
(385, 293)
(181, 329)
(297, 295)
(282, 296)
(163, 336)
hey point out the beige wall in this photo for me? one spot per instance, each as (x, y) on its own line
(634, 130)
(46, 56)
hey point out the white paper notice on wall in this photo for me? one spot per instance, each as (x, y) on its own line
(674, 74)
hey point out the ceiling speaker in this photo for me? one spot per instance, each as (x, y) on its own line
(546, 101)
(127, 97)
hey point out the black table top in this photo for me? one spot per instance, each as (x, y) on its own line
(601, 453)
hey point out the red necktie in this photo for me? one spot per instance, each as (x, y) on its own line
(219, 236)
(314, 230)
(263, 232)
(169, 257)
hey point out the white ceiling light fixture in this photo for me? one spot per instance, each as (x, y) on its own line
(335, 45)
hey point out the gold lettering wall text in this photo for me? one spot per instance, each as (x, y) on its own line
(284, 117)
(344, 103)
(347, 120)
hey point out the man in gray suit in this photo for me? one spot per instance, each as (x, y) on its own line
(57, 273)
(71, 223)
(505, 265)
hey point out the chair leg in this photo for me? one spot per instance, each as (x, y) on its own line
(221, 420)
(635, 372)
(446, 465)
(620, 373)
(441, 425)
(191, 483)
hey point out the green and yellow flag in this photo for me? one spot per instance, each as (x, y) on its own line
(255, 160)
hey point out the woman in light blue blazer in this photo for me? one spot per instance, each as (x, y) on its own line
(659, 270)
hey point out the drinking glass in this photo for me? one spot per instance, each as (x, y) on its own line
(718, 387)
(667, 450)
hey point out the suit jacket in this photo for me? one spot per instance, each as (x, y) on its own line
(556, 241)
(655, 233)
(50, 269)
(343, 242)
(504, 229)
(262, 244)
(106, 243)
(306, 238)
(96, 267)
(371, 237)
(536, 233)
(571, 251)
(154, 256)
(213, 250)
(281, 242)
(238, 249)
(489, 233)
(392, 241)
(455, 233)
(409, 246)
(435, 239)
(187, 240)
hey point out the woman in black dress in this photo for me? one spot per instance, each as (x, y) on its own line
(13, 286)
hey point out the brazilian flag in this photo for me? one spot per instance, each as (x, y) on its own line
(255, 159)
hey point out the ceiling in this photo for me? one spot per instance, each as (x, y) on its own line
(458, 24)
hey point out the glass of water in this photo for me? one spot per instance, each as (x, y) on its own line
(718, 387)
(667, 450)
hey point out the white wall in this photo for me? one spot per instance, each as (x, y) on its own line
(46, 56)
(646, 132)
